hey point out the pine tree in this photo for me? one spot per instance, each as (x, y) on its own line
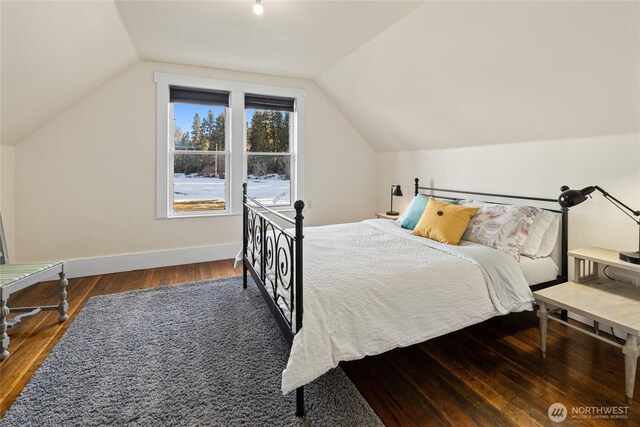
(269, 133)
(280, 124)
(218, 133)
(284, 132)
(178, 135)
(185, 141)
(208, 130)
(257, 134)
(196, 133)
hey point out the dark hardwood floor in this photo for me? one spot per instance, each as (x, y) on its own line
(487, 374)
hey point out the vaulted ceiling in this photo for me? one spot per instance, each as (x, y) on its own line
(291, 38)
(408, 75)
(54, 53)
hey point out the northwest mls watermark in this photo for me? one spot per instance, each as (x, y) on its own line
(558, 412)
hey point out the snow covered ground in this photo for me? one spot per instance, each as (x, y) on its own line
(270, 190)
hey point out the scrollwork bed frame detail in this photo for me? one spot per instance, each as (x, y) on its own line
(273, 257)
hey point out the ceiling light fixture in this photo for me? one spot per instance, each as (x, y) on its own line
(257, 8)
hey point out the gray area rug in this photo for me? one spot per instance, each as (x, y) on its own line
(198, 354)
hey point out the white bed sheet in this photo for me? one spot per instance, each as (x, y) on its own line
(370, 287)
(538, 270)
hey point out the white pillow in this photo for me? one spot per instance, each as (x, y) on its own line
(503, 227)
(536, 233)
(549, 239)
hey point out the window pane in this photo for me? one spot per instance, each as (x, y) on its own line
(199, 182)
(268, 131)
(198, 127)
(269, 179)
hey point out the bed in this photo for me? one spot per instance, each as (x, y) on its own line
(372, 286)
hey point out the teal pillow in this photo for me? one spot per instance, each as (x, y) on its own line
(414, 211)
(452, 201)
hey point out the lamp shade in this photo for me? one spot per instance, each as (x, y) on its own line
(397, 191)
(569, 198)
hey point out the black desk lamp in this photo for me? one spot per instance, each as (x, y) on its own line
(395, 191)
(570, 198)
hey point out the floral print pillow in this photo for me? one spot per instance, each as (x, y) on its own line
(503, 227)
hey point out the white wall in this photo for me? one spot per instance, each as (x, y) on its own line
(460, 73)
(8, 196)
(534, 169)
(85, 182)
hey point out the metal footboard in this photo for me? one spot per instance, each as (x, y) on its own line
(273, 257)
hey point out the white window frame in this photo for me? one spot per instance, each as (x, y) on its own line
(236, 168)
(171, 165)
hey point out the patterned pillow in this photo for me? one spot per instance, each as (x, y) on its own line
(504, 227)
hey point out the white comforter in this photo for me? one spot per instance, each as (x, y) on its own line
(371, 286)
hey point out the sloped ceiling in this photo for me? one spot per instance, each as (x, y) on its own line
(54, 54)
(291, 38)
(408, 75)
(474, 73)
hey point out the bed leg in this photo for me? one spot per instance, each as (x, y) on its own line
(300, 402)
(244, 275)
(245, 229)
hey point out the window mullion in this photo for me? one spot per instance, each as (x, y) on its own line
(237, 150)
(205, 152)
(251, 153)
(171, 194)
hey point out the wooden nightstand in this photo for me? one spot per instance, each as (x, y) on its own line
(385, 216)
(601, 300)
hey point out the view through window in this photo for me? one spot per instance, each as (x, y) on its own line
(269, 156)
(199, 157)
(214, 135)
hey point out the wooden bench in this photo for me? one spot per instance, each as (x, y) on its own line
(15, 277)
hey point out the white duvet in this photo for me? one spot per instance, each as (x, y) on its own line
(372, 286)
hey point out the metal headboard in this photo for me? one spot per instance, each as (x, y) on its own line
(564, 231)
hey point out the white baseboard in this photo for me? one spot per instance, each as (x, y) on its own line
(140, 260)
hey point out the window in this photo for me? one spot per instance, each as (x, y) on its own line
(269, 149)
(198, 150)
(214, 135)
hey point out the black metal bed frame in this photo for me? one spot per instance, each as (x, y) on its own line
(278, 255)
(273, 257)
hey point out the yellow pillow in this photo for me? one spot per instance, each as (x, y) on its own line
(444, 222)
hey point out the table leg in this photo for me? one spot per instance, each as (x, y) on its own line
(63, 306)
(4, 338)
(631, 352)
(543, 314)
